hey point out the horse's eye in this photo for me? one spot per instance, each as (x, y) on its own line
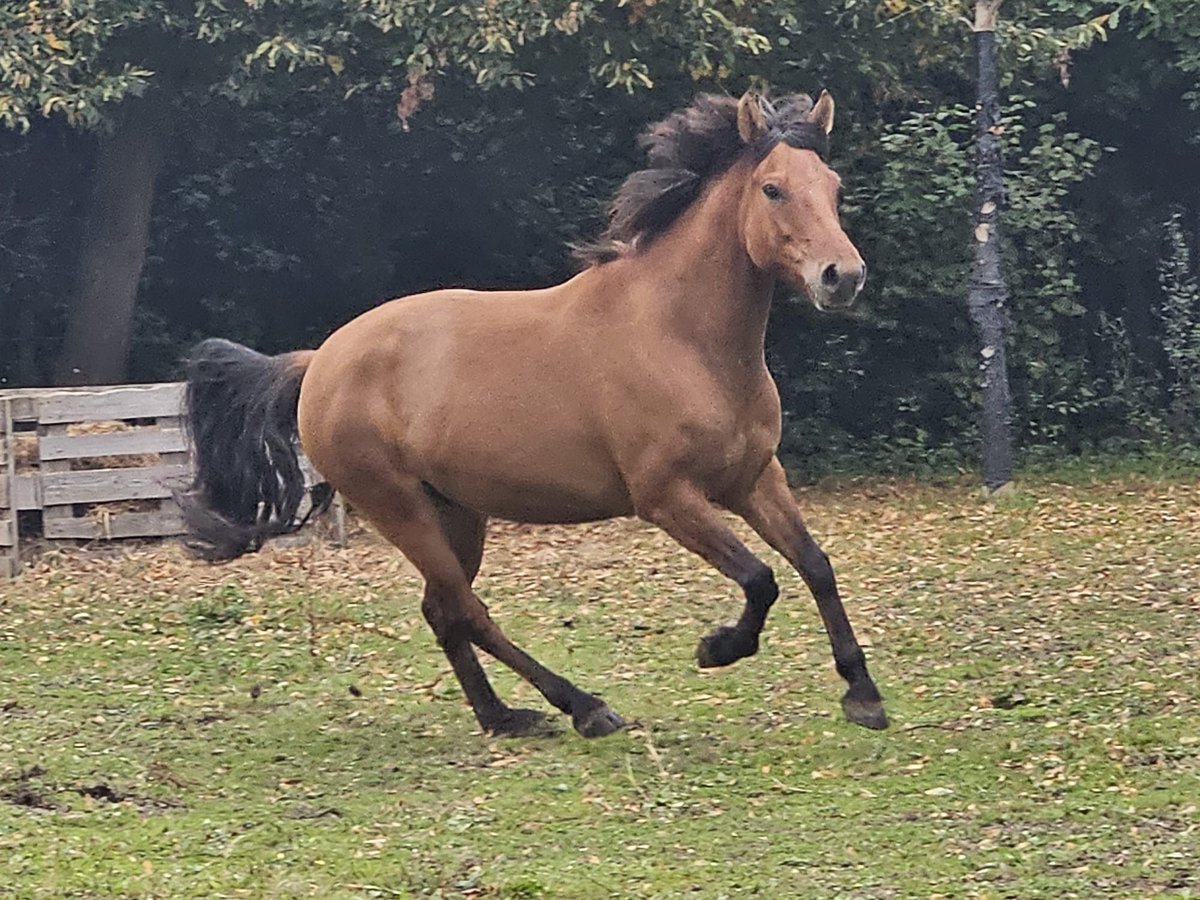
(772, 192)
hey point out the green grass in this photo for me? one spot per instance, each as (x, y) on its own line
(1039, 657)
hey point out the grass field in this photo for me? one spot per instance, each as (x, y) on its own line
(284, 726)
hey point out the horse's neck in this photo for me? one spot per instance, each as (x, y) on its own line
(707, 291)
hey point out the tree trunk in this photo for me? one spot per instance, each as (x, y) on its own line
(116, 234)
(987, 293)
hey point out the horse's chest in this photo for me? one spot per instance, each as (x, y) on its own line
(746, 454)
(729, 453)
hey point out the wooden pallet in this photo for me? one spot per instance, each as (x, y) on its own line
(86, 474)
(149, 427)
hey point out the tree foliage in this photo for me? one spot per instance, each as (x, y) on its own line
(78, 58)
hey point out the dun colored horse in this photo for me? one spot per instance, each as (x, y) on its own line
(637, 387)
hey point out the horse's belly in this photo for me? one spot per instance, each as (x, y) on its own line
(523, 445)
(525, 492)
(525, 468)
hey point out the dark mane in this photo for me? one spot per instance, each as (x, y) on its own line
(685, 151)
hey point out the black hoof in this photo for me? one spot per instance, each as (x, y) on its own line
(520, 723)
(599, 721)
(865, 711)
(724, 646)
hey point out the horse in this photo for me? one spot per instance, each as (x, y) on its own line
(637, 387)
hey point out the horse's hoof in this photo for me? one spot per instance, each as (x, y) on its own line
(520, 723)
(598, 722)
(865, 712)
(724, 646)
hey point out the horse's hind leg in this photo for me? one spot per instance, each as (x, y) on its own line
(465, 531)
(590, 715)
(437, 538)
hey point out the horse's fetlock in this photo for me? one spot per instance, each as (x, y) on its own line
(852, 667)
(761, 590)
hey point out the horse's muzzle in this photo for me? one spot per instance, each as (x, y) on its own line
(838, 288)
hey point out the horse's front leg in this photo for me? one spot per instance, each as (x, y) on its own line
(683, 512)
(771, 510)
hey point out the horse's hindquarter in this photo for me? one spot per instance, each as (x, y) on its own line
(485, 396)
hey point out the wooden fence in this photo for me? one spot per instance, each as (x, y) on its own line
(100, 464)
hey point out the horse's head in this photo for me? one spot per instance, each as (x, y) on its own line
(789, 210)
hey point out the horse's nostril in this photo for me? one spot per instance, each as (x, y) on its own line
(830, 276)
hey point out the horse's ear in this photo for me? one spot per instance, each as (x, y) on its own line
(822, 113)
(751, 120)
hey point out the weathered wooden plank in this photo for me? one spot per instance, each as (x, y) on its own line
(52, 513)
(7, 449)
(10, 532)
(102, 485)
(6, 441)
(26, 492)
(182, 456)
(141, 402)
(116, 443)
(22, 406)
(7, 500)
(157, 523)
(26, 401)
(79, 389)
(339, 520)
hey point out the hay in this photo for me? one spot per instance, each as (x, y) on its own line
(25, 451)
(89, 463)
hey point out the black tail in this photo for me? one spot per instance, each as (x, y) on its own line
(241, 413)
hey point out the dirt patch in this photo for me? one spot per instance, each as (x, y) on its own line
(107, 793)
(104, 792)
(20, 791)
(30, 797)
(28, 788)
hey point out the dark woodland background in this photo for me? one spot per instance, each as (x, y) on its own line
(264, 172)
